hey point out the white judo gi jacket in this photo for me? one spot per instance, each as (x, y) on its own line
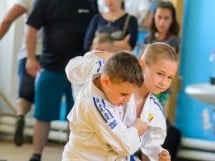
(153, 113)
(80, 68)
(97, 130)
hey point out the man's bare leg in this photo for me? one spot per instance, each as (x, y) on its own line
(41, 132)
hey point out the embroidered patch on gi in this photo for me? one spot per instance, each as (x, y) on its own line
(105, 112)
(150, 117)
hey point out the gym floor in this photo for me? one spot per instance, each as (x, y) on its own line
(52, 152)
(10, 152)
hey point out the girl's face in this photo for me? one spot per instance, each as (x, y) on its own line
(163, 20)
(113, 4)
(158, 77)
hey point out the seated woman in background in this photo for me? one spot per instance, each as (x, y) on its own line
(164, 27)
(137, 8)
(121, 26)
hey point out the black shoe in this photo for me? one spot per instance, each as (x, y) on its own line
(35, 157)
(19, 131)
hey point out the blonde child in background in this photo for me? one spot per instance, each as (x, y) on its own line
(102, 42)
(98, 132)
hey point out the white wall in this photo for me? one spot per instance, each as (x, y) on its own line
(9, 47)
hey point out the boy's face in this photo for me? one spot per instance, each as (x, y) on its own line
(117, 93)
(158, 77)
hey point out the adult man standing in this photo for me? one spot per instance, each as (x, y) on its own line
(64, 24)
(26, 82)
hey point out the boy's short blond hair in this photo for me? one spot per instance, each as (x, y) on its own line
(158, 50)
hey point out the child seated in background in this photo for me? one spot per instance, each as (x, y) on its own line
(102, 42)
(97, 130)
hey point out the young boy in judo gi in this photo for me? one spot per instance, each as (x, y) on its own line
(97, 130)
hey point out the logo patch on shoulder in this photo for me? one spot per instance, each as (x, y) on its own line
(105, 112)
